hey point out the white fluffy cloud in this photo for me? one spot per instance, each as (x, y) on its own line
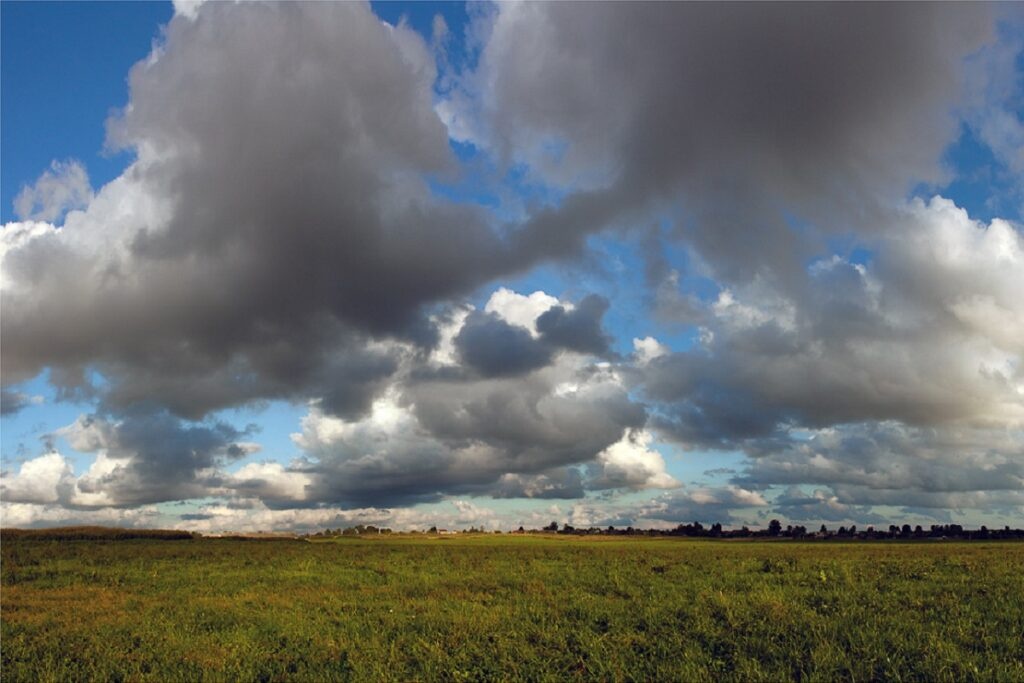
(630, 463)
(39, 480)
(64, 186)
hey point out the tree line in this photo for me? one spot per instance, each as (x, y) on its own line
(698, 530)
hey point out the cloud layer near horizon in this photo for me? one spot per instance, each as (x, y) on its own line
(279, 236)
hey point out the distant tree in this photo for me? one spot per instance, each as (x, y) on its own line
(432, 530)
(823, 529)
(551, 527)
(906, 530)
(774, 527)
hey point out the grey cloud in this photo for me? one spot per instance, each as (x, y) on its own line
(797, 506)
(154, 457)
(527, 419)
(707, 505)
(892, 464)
(277, 218)
(579, 329)
(562, 483)
(494, 348)
(277, 233)
(929, 334)
(744, 116)
(12, 401)
(441, 436)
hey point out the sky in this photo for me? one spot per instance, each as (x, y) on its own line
(311, 265)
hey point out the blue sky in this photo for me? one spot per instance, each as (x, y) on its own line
(324, 295)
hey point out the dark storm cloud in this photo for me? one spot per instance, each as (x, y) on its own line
(276, 219)
(277, 216)
(578, 329)
(494, 347)
(294, 364)
(741, 115)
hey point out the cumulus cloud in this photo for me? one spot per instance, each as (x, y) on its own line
(928, 334)
(521, 309)
(630, 463)
(522, 435)
(275, 220)
(149, 457)
(39, 480)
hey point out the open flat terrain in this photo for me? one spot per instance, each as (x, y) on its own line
(505, 607)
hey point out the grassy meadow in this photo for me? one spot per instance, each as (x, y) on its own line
(485, 607)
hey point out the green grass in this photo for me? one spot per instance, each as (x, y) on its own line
(502, 607)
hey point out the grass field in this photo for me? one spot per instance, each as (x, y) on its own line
(503, 607)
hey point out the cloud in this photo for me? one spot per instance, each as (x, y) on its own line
(149, 457)
(725, 505)
(63, 187)
(740, 122)
(928, 335)
(875, 463)
(438, 434)
(630, 464)
(280, 236)
(27, 515)
(13, 401)
(820, 506)
(493, 347)
(39, 480)
(578, 329)
(276, 221)
(519, 309)
(269, 481)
